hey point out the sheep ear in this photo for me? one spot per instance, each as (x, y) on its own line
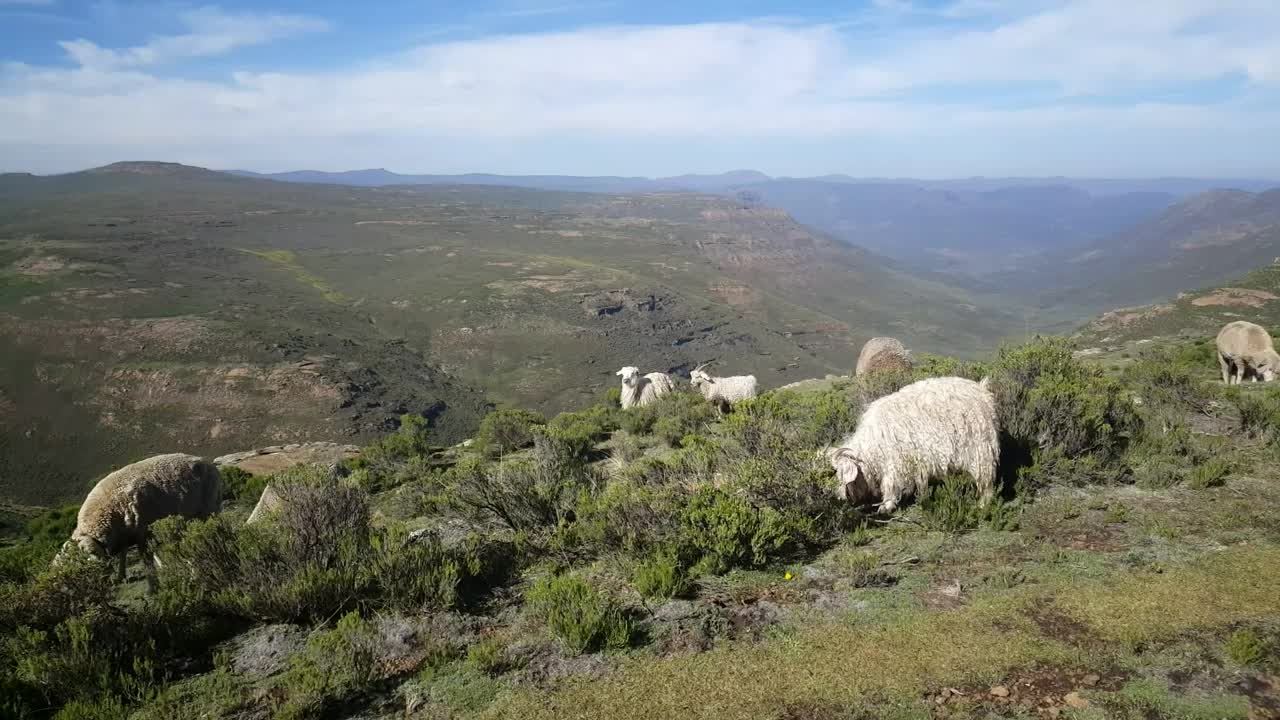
(618, 373)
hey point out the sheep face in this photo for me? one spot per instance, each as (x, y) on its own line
(852, 485)
(630, 376)
(88, 545)
(699, 379)
(1269, 366)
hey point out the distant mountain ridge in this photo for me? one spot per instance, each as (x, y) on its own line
(737, 179)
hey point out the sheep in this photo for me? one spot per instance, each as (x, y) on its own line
(640, 389)
(882, 353)
(723, 391)
(119, 510)
(1246, 348)
(924, 430)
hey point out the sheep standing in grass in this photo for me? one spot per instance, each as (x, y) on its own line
(640, 389)
(882, 353)
(723, 392)
(1245, 348)
(924, 430)
(118, 513)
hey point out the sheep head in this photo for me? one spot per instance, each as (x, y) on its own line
(1269, 366)
(698, 377)
(630, 375)
(87, 545)
(852, 485)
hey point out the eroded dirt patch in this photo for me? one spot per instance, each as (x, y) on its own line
(1054, 623)
(1123, 317)
(1240, 297)
(1045, 691)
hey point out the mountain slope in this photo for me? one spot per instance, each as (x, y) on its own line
(147, 307)
(957, 230)
(1254, 296)
(1201, 241)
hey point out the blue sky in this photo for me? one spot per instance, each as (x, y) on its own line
(922, 88)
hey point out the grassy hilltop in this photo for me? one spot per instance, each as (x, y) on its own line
(664, 563)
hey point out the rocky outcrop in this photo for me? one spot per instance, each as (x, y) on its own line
(273, 459)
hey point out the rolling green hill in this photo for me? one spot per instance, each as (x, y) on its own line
(149, 307)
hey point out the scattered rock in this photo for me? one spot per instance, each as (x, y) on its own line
(999, 691)
(273, 459)
(1074, 700)
(1091, 679)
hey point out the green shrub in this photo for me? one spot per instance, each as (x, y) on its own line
(721, 530)
(670, 417)
(634, 517)
(1052, 403)
(487, 656)
(1247, 648)
(931, 366)
(953, 506)
(382, 459)
(1211, 473)
(1259, 412)
(660, 576)
(505, 431)
(44, 535)
(524, 493)
(336, 664)
(583, 618)
(241, 486)
(1163, 379)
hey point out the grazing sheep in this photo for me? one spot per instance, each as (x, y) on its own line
(1245, 348)
(640, 389)
(723, 392)
(119, 511)
(924, 430)
(882, 353)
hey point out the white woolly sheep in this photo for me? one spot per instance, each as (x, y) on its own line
(882, 353)
(1245, 348)
(723, 392)
(924, 430)
(118, 512)
(640, 389)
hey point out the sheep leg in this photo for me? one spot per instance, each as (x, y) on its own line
(148, 565)
(121, 562)
(1239, 373)
(1225, 365)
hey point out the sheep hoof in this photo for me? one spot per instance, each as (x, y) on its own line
(886, 508)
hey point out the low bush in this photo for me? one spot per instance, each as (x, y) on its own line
(581, 617)
(42, 536)
(661, 576)
(721, 530)
(505, 431)
(383, 458)
(952, 506)
(240, 486)
(523, 493)
(1259, 412)
(1051, 402)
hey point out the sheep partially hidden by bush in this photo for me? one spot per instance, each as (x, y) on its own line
(723, 392)
(882, 353)
(640, 389)
(1245, 348)
(119, 511)
(924, 430)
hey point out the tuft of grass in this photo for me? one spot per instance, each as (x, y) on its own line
(1245, 647)
(581, 617)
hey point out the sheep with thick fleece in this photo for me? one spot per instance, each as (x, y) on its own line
(924, 430)
(724, 391)
(118, 512)
(640, 389)
(1244, 348)
(882, 353)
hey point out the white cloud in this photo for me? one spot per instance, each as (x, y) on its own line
(210, 32)
(937, 90)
